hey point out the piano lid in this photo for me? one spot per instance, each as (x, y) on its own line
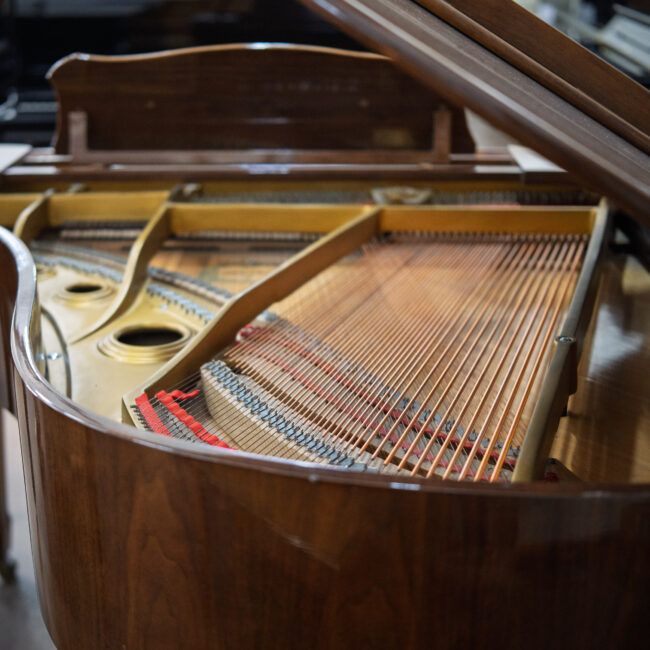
(524, 77)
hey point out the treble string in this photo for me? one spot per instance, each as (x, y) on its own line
(511, 298)
(518, 315)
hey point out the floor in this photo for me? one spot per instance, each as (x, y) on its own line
(21, 624)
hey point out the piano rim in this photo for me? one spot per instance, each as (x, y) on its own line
(24, 329)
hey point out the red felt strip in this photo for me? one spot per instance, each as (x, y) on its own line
(191, 423)
(150, 415)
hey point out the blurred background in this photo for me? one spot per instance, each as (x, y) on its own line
(36, 33)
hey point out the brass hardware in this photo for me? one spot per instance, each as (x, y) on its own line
(135, 272)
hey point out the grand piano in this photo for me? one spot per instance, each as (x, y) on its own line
(298, 364)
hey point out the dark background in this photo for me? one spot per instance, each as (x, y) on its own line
(36, 33)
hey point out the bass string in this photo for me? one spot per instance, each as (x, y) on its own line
(332, 399)
(347, 348)
(313, 323)
(485, 318)
(512, 353)
(510, 377)
(406, 364)
(283, 377)
(415, 418)
(188, 381)
(194, 378)
(469, 400)
(384, 250)
(267, 336)
(406, 370)
(390, 372)
(275, 358)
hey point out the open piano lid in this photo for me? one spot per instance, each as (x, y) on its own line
(524, 77)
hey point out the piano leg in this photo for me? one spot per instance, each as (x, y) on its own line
(7, 568)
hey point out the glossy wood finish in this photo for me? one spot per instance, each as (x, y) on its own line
(259, 103)
(173, 552)
(143, 542)
(468, 74)
(133, 176)
(6, 568)
(606, 435)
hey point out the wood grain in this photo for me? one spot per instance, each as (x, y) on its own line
(139, 547)
(606, 435)
(246, 99)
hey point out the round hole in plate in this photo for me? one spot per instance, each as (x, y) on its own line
(84, 287)
(149, 336)
(145, 342)
(84, 293)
